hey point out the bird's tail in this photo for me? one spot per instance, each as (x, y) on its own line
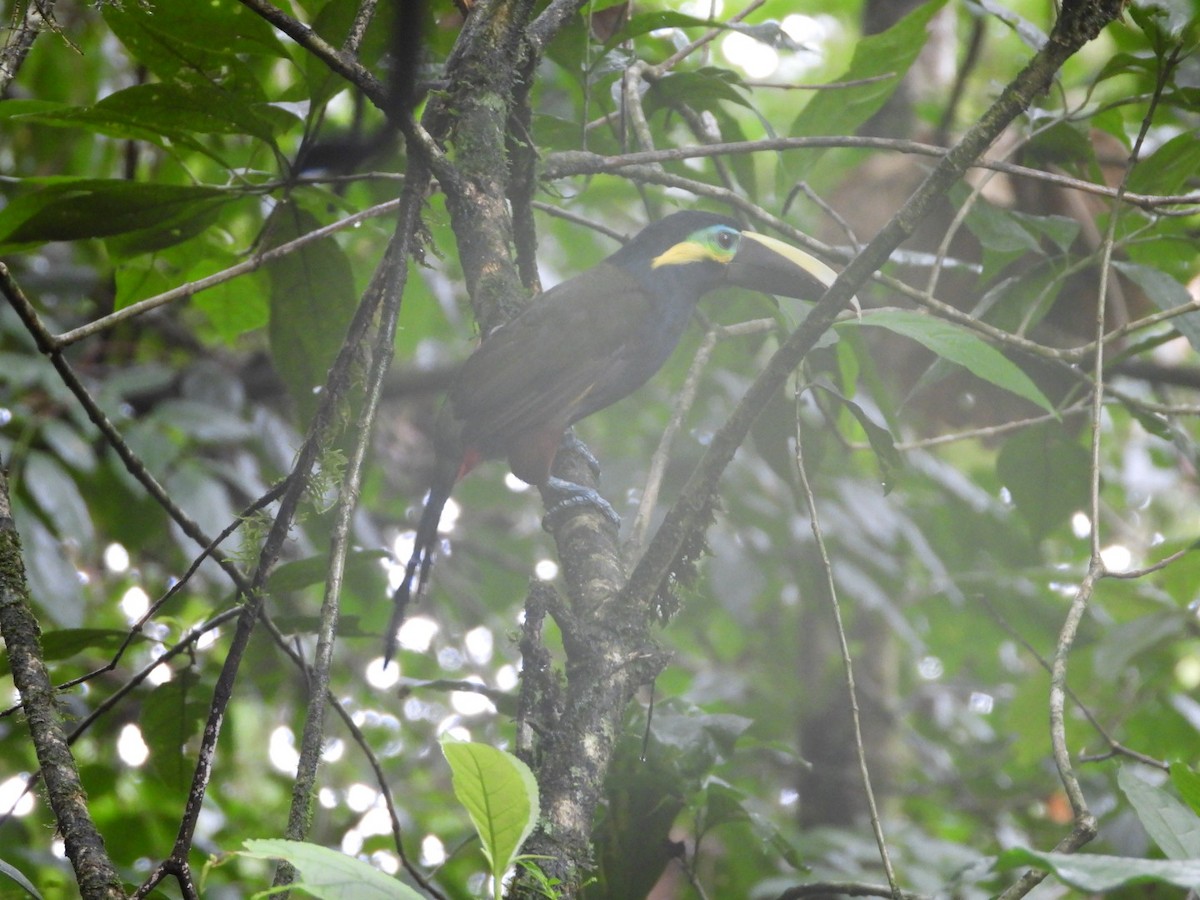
(416, 573)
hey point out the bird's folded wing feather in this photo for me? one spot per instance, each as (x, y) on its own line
(565, 350)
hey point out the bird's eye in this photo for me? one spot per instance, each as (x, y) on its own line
(726, 240)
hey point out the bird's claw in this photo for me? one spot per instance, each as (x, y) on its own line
(573, 444)
(569, 496)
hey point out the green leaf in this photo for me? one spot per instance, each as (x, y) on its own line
(841, 111)
(184, 108)
(1046, 471)
(192, 40)
(15, 874)
(302, 573)
(1187, 783)
(959, 346)
(881, 440)
(1170, 168)
(74, 208)
(1174, 827)
(998, 230)
(1093, 872)
(725, 804)
(330, 875)
(169, 115)
(500, 794)
(1123, 642)
(171, 716)
(58, 498)
(702, 89)
(1165, 293)
(644, 23)
(312, 300)
(63, 643)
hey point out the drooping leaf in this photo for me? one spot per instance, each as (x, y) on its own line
(1174, 827)
(958, 346)
(701, 89)
(1124, 642)
(1170, 168)
(882, 443)
(195, 41)
(16, 875)
(1165, 293)
(58, 498)
(302, 573)
(644, 23)
(52, 576)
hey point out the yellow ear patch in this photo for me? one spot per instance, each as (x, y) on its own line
(686, 252)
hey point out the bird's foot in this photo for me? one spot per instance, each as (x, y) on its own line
(573, 444)
(567, 496)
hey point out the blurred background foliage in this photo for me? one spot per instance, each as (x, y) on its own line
(147, 145)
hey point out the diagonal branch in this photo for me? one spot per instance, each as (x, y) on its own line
(1078, 23)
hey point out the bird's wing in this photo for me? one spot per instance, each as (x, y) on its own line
(566, 350)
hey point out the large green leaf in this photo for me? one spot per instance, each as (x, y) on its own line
(959, 346)
(1094, 872)
(63, 643)
(192, 40)
(500, 794)
(188, 108)
(330, 875)
(885, 57)
(1165, 293)
(70, 209)
(1046, 472)
(1187, 782)
(58, 498)
(171, 716)
(1170, 168)
(1174, 827)
(312, 300)
(16, 875)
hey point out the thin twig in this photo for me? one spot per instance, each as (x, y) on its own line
(574, 162)
(184, 291)
(847, 661)
(822, 889)
(1114, 745)
(658, 462)
(313, 737)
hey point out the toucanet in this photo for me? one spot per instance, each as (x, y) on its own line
(583, 345)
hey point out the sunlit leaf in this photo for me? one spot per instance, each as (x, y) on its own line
(500, 794)
(329, 875)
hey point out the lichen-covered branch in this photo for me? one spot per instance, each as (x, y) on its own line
(97, 877)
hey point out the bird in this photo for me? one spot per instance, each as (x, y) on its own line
(582, 346)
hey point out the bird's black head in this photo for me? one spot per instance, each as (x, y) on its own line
(688, 250)
(690, 253)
